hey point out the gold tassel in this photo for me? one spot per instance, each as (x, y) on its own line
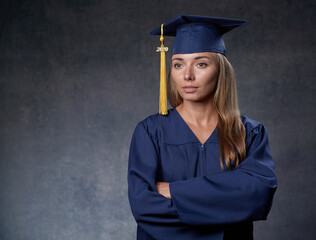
(163, 88)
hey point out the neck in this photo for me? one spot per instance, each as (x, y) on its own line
(198, 113)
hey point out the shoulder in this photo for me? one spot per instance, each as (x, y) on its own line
(252, 126)
(153, 121)
(156, 124)
(256, 132)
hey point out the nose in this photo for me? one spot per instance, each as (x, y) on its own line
(189, 74)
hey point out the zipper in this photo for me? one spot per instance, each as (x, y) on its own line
(203, 162)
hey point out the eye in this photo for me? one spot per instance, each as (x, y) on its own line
(177, 65)
(202, 65)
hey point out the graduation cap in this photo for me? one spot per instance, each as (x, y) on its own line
(192, 34)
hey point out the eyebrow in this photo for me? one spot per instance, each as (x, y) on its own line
(196, 58)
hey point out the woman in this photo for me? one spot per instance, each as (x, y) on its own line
(202, 171)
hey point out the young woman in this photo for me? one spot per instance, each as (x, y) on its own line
(203, 171)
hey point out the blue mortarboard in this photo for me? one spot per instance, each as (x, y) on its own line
(198, 33)
(192, 34)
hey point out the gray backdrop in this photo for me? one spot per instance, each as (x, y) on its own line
(77, 76)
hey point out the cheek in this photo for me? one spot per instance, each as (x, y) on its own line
(175, 79)
(210, 81)
(212, 77)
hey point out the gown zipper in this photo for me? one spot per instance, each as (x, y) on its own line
(203, 162)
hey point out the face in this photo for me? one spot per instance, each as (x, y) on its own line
(194, 75)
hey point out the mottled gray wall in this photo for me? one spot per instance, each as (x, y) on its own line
(76, 77)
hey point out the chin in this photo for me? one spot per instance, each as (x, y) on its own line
(189, 97)
(196, 99)
(193, 99)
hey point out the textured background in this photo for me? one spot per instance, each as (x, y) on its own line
(76, 77)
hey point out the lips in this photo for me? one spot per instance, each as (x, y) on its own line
(189, 89)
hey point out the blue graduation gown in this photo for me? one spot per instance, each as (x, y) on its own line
(207, 202)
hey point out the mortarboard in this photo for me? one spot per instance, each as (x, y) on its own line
(192, 34)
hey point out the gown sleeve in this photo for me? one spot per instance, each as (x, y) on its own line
(233, 196)
(147, 204)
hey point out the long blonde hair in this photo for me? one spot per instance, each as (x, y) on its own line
(230, 130)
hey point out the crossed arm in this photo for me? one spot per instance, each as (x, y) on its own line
(201, 200)
(163, 189)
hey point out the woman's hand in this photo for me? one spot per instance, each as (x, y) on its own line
(163, 189)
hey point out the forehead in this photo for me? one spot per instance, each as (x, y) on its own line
(192, 56)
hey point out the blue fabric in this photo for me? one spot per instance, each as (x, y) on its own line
(198, 37)
(206, 201)
(195, 34)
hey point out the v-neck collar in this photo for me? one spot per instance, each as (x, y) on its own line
(211, 138)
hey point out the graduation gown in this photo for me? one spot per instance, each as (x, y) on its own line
(207, 202)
